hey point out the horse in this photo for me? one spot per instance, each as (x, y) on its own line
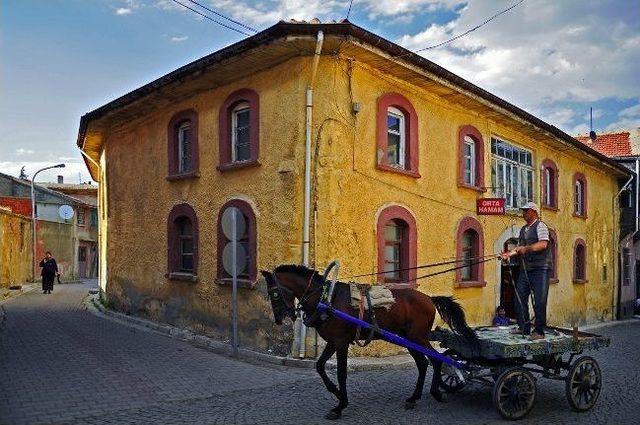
(411, 316)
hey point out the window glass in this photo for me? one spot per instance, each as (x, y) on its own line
(185, 244)
(469, 161)
(511, 173)
(241, 132)
(395, 138)
(184, 147)
(468, 253)
(394, 241)
(579, 263)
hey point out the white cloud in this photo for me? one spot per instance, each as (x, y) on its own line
(541, 52)
(73, 172)
(123, 11)
(627, 118)
(23, 151)
(178, 39)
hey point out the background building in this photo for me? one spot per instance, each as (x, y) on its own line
(401, 151)
(624, 148)
(73, 242)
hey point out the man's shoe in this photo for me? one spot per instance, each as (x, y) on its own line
(536, 336)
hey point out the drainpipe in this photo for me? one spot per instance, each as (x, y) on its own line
(307, 174)
(616, 245)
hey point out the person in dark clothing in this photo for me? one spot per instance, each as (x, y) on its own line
(535, 262)
(49, 272)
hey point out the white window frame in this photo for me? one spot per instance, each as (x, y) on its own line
(579, 195)
(240, 107)
(397, 113)
(515, 178)
(548, 175)
(181, 130)
(471, 171)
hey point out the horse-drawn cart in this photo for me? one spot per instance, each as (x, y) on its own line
(487, 355)
(509, 362)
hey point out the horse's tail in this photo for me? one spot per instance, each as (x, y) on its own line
(453, 314)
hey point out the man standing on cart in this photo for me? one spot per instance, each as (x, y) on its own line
(535, 262)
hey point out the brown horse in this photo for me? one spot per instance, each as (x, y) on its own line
(411, 316)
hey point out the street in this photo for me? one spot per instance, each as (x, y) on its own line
(60, 363)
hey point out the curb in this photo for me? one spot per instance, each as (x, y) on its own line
(600, 325)
(13, 293)
(355, 364)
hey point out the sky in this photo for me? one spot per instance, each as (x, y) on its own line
(62, 58)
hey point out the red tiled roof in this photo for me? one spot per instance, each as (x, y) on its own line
(609, 144)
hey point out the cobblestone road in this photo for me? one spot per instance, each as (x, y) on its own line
(61, 364)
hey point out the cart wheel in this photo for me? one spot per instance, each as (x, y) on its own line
(514, 393)
(583, 384)
(450, 381)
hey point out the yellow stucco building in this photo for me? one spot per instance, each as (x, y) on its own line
(399, 151)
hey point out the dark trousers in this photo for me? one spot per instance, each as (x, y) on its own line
(538, 284)
(47, 282)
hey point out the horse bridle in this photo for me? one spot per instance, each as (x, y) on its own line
(280, 306)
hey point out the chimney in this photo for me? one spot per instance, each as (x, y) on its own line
(60, 179)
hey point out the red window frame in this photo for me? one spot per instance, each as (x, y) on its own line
(477, 271)
(411, 161)
(580, 261)
(581, 178)
(225, 127)
(548, 164)
(250, 218)
(409, 243)
(174, 260)
(173, 149)
(476, 136)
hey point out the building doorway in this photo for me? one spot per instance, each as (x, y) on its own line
(508, 277)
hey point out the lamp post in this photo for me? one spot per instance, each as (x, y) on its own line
(33, 218)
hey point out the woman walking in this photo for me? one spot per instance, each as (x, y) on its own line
(49, 272)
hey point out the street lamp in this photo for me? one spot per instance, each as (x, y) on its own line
(33, 217)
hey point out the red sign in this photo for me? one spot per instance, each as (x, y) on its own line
(490, 206)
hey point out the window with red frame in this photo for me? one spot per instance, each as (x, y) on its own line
(469, 249)
(395, 250)
(549, 184)
(579, 195)
(182, 241)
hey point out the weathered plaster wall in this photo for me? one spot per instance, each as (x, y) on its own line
(15, 249)
(139, 199)
(351, 192)
(60, 239)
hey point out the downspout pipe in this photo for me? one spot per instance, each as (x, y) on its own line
(307, 174)
(616, 253)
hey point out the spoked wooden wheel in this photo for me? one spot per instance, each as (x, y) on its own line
(514, 393)
(583, 384)
(450, 380)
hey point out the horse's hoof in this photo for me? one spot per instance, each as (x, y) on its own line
(440, 397)
(409, 405)
(333, 415)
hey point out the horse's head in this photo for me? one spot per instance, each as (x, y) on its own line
(288, 282)
(282, 298)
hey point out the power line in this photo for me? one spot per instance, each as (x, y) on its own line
(349, 11)
(211, 19)
(223, 16)
(486, 21)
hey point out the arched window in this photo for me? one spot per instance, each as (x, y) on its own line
(246, 231)
(579, 195)
(580, 261)
(549, 182)
(239, 130)
(553, 250)
(397, 144)
(471, 158)
(182, 246)
(470, 249)
(397, 245)
(183, 157)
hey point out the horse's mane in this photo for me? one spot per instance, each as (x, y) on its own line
(298, 269)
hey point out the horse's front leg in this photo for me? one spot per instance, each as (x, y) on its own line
(342, 351)
(328, 351)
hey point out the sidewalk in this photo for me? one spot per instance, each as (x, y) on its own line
(94, 305)
(6, 293)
